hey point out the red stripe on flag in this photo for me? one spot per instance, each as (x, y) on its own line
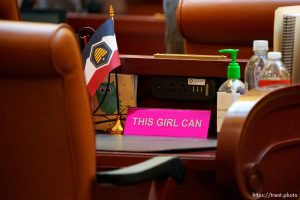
(102, 73)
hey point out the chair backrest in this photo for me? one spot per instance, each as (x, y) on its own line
(47, 148)
(210, 25)
(9, 10)
(258, 149)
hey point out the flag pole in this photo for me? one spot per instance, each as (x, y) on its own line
(117, 129)
(112, 14)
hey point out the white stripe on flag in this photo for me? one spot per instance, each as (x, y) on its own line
(90, 69)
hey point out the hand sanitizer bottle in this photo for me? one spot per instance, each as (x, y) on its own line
(255, 64)
(231, 89)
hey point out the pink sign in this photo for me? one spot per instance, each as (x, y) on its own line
(167, 122)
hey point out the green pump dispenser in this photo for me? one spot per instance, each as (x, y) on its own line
(233, 71)
(231, 89)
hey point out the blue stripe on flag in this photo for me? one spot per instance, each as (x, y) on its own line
(107, 28)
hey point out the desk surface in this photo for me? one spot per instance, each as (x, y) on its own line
(148, 144)
(119, 151)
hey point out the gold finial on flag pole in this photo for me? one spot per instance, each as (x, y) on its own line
(111, 11)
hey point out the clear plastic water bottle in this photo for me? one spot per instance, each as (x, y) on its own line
(230, 90)
(274, 74)
(255, 64)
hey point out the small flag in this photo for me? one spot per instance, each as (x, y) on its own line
(100, 56)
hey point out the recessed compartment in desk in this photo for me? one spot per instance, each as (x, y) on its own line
(183, 88)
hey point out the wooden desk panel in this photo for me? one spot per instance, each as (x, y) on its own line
(199, 181)
(144, 7)
(142, 35)
(149, 65)
(197, 160)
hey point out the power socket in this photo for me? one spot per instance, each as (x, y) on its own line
(183, 88)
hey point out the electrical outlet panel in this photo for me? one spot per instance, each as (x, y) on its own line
(183, 88)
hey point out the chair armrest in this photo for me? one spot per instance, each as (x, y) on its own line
(157, 167)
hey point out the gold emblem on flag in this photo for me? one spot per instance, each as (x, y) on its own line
(99, 53)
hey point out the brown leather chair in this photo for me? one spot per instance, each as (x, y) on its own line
(258, 153)
(46, 126)
(9, 10)
(47, 147)
(210, 25)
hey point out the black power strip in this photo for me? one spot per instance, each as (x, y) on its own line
(183, 88)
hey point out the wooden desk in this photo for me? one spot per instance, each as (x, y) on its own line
(199, 180)
(142, 35)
